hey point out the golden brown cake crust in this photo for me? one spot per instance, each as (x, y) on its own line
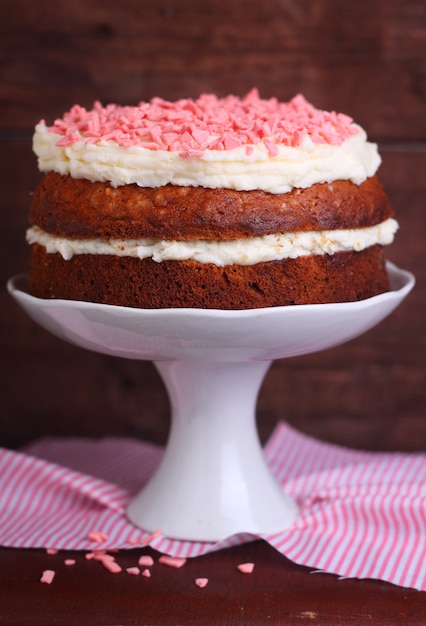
(65, 206)
(126, 281)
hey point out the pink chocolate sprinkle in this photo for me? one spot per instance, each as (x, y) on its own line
(190, 127)
(110, 564)
(97, 536)
(246, 568)
(107, 560)
(97, 555)
(172, 561)
(69, 561)
(135, 571)
(47, 576)
(51, 551)
(146, 573)
(146, 560)
(201, 582)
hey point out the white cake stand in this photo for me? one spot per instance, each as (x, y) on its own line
(213, 480)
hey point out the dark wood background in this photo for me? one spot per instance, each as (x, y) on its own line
(366, 58)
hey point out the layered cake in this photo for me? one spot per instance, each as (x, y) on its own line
(227, 203)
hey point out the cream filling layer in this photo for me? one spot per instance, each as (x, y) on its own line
(301, 166)
(247, 251)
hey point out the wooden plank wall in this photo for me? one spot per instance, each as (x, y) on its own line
(365, 58)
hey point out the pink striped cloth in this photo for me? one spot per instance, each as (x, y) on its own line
(363, 514)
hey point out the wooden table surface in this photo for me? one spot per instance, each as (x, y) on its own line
(277, 592)
(367, 59)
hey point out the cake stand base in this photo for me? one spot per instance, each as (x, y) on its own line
(213, 479)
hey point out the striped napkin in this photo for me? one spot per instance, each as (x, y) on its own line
(363, 514)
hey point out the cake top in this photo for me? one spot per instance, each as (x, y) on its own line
(190, 127)
(234, 143)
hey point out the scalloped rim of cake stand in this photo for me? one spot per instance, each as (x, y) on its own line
(211, 334)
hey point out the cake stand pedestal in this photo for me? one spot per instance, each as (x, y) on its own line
(213, 480)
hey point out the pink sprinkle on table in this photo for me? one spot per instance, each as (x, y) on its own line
(201, 582)
(95, 554)
(172, 561)
(104, 557)
(135, 571)
(47, 576)
(246, 568)
(111, 565)
(146, 560)
(107, 560)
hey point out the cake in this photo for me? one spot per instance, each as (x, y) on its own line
(224, 203)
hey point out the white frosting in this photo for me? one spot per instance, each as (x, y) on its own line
(239, 252)
(355, 159)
